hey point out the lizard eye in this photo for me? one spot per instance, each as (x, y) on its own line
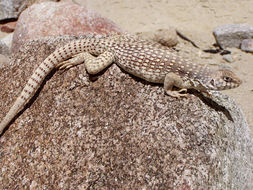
(227, 79)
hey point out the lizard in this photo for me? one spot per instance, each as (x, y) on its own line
(142, 58)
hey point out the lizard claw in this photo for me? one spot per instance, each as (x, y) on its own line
(64, 65)
(75, 60)
(183, 90)
(177, 94)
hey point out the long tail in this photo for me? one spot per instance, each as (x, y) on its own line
(38, 77)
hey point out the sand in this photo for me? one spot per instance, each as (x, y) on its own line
(196, 19)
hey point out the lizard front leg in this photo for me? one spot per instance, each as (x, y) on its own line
(93, 64)
(172, 79)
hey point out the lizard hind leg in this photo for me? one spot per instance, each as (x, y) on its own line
(172, 79)
(93, 64)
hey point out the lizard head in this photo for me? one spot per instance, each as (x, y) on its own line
(223, 79)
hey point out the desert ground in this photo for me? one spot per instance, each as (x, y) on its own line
(196, 19)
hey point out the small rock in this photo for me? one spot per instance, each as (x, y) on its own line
(231, 35)
(228, 58)
(166, 37)
(247, 45)
(225, 66)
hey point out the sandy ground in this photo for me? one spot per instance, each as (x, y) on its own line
(196, 19)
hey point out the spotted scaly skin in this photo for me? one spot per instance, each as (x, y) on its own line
(144, 59)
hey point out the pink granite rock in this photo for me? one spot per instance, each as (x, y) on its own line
(62, 18)
(117, 132)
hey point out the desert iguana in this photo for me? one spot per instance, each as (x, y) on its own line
(142, 58)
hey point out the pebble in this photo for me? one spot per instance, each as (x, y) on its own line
(247, 45)
(228, 58)
(225, 66)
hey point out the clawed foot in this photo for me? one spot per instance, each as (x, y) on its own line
(64, 65)
(75, 60)
(177, 94)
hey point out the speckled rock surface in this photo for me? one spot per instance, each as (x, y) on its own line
(59, 18)
(114, 131)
